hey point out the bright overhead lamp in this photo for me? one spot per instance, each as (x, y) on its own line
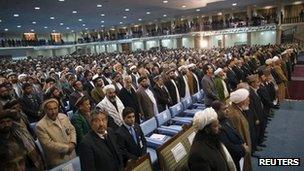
(165, 2)
(52, 18)
(148, 13)
(67, 28)
(45, 27)
(61, 24)
(34, 22)
(124, 17)
(184, 6)
(102, 25)
(102, 21)
(61, 0)
(139, 19)
(79, 19)
(72, 31)
(54, 30)
(16, 15)
(6, 29)
(86, 28)
(127, 9)
(165, 15)
(98, 5)
(0, 21)
(32, 30)
(102, 14)
(37, 8)
(198, 10)
(83, 25)
(74, 12)
(18, 26)
(234, 4)
(121, 22)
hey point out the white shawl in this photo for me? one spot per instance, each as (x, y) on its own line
(108, 106)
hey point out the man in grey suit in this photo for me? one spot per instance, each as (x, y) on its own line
(208, 85)
(146, 99)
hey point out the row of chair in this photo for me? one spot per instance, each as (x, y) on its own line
(165, 125)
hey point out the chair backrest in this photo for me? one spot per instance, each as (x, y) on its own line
(163, 117)
(176, 109)
(187, 102)
(38, 144)
(73, 164)
(149, 126)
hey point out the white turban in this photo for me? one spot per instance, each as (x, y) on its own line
(204, 118)
(21, 76)
(269, 61)
(191, 65)
(239, 95)
(217, 71)
(275, 58)
(132, 67)
(108, 87)
(78, 67)
(182, 67)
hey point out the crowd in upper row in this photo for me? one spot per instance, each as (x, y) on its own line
(118, 91)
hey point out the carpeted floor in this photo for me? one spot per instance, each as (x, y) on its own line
(285, 136)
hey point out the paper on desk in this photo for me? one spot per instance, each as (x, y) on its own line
(68, 167)
(178, 152)
(191, 137)
(159, 137)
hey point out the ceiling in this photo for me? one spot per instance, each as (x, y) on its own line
(35, 15)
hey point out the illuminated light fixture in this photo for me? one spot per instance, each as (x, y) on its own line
(139, 19)
(127, 9)
(52, 18)
(83, 25)
(86, 28)
(45, 27)
(34, 22)
(79, 19)
(102, 25)
(67, 28)
(121, 22)
(297, 2)
(124, 17)
(165, 15)
(102, 21)
(102, 15)
(234, 4)
(148, 13)
(98, 5)
(18, 26)
(0, 21)
(165, 2)
(72, 31)
(74, 12)
(37, 8)
(61, 0)
(32, 30)
(184, 6)
(61, 24)
(220, 13)
(16, 15)
(198, 10)
(54, 30)
(6, 29)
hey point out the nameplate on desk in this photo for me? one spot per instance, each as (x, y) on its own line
(158, 137)
(179, 152)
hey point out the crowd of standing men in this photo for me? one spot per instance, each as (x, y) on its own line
(111, 94)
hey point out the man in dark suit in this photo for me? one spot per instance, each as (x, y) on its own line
(208, 85)
(128, 97)
(98, 149)
(172, 87)
(161, 94)
(231, 75)
(131, 140)
(87, 81)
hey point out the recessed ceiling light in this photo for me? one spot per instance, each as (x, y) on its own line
(197, 10)
(61, 0)
(121, 22)
(124, 17)
(148, 13)
(86, 28)
(6, 29)
(102, 14)
(34, 22)
(165, 15)
(127, 9)
(102, 21)
(139, 19)
(165, 2)
(74, 12)
(0, 21)
(32, 30)
(61, 24)
(45, 27)
(16, 15)
(52, 18)
(67, 28)
(54, 30)
(184, 6)
(18, 26)
(98, 5)
(79, 19)
(83, 25)
(37, 8)
(234, 4)
(72, 31)
(102, 25)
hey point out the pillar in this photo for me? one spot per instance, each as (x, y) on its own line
(179, 42)
(197, 41)
(249, 38)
